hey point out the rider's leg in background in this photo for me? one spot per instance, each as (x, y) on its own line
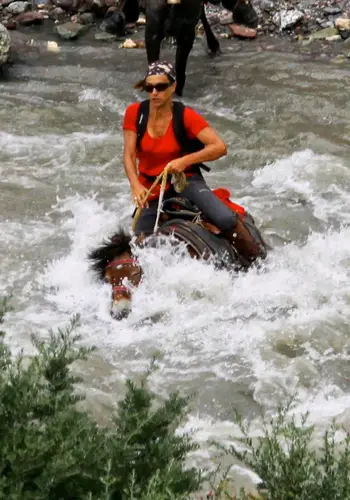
(224, 218)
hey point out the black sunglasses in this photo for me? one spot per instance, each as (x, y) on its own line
(159, 87)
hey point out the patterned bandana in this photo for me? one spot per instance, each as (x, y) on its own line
(161, 68)
(158, 68)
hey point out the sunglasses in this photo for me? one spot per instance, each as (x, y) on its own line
(159, 87)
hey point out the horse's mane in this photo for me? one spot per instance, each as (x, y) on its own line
(108, 251)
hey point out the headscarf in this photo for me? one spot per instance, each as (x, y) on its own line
(158, 68)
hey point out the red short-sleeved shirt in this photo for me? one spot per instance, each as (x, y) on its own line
(157, 152)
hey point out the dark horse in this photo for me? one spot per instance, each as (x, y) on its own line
(180, 21)
(114, 262)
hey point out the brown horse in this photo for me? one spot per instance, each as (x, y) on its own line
(115, 263)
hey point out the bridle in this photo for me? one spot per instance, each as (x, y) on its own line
(134, 276)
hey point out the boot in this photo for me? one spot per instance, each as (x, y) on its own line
(248, 248)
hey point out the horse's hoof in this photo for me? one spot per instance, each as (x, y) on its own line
(215, 53)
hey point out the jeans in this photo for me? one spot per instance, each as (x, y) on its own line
(196, 192)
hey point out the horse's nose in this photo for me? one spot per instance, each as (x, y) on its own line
(120, 309)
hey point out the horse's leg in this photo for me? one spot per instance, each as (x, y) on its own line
(131, 10)
(156, 11)
(243, 12)
(184, 40)
(212, 41)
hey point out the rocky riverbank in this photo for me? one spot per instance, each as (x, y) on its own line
(311, 26)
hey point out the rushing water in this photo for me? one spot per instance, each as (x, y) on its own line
(248, 341)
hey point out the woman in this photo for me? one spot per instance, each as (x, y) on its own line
(159, 148)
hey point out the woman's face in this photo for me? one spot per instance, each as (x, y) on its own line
(159, 89)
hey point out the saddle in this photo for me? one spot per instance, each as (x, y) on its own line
(184, 219)
(187, 220)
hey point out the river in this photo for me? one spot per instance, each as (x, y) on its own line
(246, 342)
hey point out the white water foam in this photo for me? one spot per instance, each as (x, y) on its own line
(216, 331)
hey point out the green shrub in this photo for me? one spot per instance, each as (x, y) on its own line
(289, 468)
(50, 450)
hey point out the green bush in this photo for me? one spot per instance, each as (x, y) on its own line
(50, 450)
(289, 468)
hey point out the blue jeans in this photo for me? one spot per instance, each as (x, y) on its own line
(200, 194)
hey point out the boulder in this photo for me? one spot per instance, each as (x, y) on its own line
(28, 18)
(343, 23)
(285, 19)
(70, 31)
(323, 34)
(242, 31)
(16, 8)
(5, 42)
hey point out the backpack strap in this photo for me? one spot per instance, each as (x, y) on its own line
(187, 145)
(141, 122)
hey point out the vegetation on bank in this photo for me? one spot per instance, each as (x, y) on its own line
(50, 449)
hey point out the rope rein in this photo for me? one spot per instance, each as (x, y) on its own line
(179, 182)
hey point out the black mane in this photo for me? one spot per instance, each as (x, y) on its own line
(108, 251)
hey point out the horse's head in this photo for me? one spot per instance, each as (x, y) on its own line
(243, 12)
(113, 262)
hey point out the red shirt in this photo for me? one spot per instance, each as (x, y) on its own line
(157, 152)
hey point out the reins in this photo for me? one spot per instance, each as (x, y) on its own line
(179, 182)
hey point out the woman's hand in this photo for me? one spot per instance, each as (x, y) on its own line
(176, 166)
(139, 195)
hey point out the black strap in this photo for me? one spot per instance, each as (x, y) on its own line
(141, 122)
(187, 145)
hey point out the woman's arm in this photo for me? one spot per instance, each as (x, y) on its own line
(130, 156)
(214, 148)
(138, 190)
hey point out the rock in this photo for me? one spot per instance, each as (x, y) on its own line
(323, 34)
(225, 17)
(68, 5)
(339, 59)
(87, 18)
(325, 24)
(267, 5)
(287, 18)
(57, 13)
(141, 20)
(344, 34)
(29, 18)
(331, 11)
(10, 25)
(16, 8)
(53, 47)
(5, 42)
(70, 31)
(334, 38)
(114, 23)
(242, 31)
(103, 36)
(132, 44)
(342, 23)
